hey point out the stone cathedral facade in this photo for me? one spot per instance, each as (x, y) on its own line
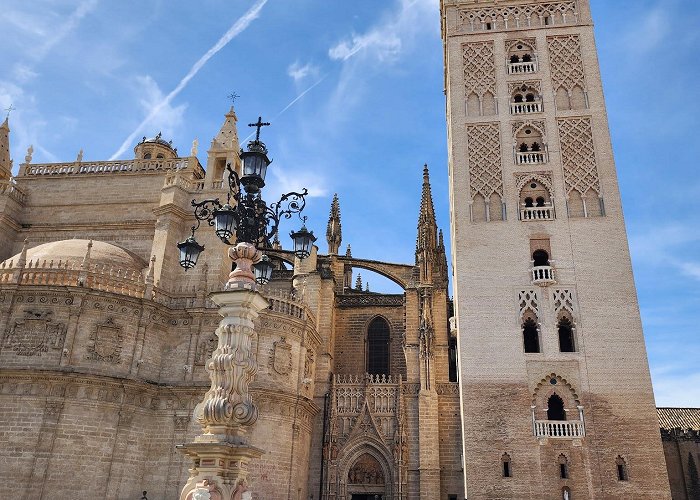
(104, 338)
(556, 393)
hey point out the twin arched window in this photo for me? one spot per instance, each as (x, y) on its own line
(378, 341)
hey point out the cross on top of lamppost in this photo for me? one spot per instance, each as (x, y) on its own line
(259, 125)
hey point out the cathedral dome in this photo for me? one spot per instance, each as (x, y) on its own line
(155, 148)
(73, 252)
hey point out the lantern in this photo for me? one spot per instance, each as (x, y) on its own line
(263, 271)
(303, 239)
(225, 222)
(189, 252)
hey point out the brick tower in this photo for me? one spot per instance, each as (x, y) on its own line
(556, 393)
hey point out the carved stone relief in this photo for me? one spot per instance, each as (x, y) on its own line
(107, 342)
(281, 359)
(35, 334)
(205, 349)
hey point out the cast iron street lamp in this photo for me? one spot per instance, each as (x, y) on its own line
(221, 453)
(245, 217)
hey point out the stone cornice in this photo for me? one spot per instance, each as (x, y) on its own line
(173, 209)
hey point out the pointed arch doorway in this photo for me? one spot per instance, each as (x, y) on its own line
(366, 479)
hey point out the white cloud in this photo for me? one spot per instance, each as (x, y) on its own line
(168, 118)
(382, 43)
(297, 72)
(22, 73)
(650, 31)
(672, 388)
(285, 180)
(690, 269)
(236, 29)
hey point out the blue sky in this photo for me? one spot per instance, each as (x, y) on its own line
(92, 74)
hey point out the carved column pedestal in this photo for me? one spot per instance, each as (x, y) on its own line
(221, 454)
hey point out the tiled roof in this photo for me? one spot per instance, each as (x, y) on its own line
(683, 418)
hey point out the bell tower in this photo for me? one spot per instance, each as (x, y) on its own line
(555, 386)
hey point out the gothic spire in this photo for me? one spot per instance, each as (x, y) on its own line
(334, 233)
(5, 162)
(427, 227)
(430, 247)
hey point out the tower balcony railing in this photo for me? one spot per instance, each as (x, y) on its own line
(521, 68)
(543, 275)
(545, 212)
(560, 429)
(524, 108)
(531, 157)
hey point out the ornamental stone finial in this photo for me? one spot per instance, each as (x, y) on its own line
(79, 159)
(195, 147)
(30, 152)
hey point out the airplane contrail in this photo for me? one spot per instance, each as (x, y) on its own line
(237, 28)
(292, 103)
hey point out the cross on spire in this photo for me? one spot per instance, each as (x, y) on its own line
(9, 110)
(259, 125)
(233, 96)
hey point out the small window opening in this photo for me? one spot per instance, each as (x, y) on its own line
(563, 467)
(160, 156)
(531, 336)
(539, 201)
(555, 408)
(527, 58)
(514, 59)
(530, 98)
(540, 258)
(147, 156)
(507, 471)
(621, 469)
(528, 202)
(566, 335)
(518, 98)
(523, 148)
(546, 21)
(536, 146)
(566, 493)
(488, 26)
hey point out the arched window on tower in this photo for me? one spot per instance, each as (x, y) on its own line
(566, 335)
(506, 465)
(531, 336)
(555, 408)
(540, 258)
(378, 338)
(521, 58)
(525, 100)
(621, 464)
(563, 467)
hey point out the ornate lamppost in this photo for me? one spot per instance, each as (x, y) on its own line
(221, 454)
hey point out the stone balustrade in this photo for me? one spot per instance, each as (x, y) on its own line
(531, 157)
(545, 212)
(8, 188)
(286, 303)
(557, 429)
(521, 68)
(176, 179)
(95, 277)
(543, 275)
(105, 167)
(524, 108)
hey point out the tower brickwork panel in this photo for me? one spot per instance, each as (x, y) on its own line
(556, 393)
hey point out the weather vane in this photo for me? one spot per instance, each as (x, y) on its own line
(233, 96)
(9, 110)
